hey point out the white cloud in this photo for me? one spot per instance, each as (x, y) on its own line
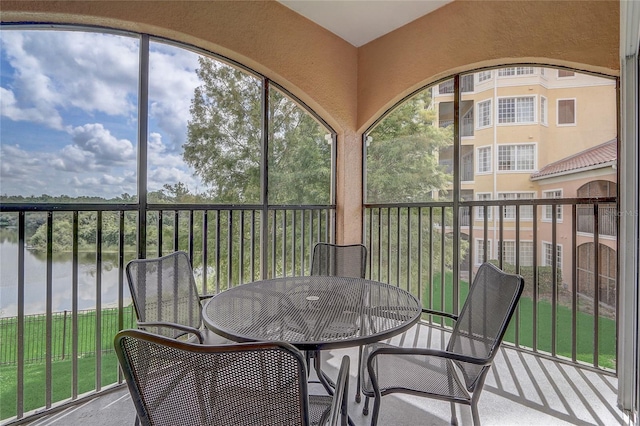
(170, 175)
(72, 171)
(166, 168)
(68, 81)
(73, 159)
(94, 149)
(41, 114)
(154, 144)
(107, 149)
(15, 162)
(172, 81)
(111, 180)
(159, 155)
(61, 69)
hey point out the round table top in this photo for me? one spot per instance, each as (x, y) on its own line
(312, 312)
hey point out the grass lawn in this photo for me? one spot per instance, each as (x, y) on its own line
(61, 334)
(34, 381)
(524, 319)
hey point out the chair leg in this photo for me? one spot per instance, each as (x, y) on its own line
(358, 397)
(365, 409)
(376, 410)
(137, 421)
(454, 418)
(474, 413)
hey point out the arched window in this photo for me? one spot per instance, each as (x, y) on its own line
(84, 117)
(480, 154)
(607, 272)
(607, 223)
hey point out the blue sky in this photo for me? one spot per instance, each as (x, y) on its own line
(68, 116)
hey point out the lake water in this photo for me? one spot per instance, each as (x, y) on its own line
(36, 281)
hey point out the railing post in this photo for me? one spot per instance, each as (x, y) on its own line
(64, 332)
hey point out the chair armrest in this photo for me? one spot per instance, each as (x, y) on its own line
(184, 328)
(339, 404)
(439, 313)
(426, 352)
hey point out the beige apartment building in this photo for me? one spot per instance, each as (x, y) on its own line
(538, 133)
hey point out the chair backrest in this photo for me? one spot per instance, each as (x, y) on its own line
(484, 318)
(164, 290)
(173, 382)
(339, 260)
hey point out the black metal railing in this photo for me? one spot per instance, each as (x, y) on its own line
(35, 326)
(467, 83)
(429, 249)
(420, 248)
(71, 255)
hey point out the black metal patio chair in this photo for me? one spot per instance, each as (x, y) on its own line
(343, 261)
(172, 382)
(166, 299)
(456, 374)
(339, 260)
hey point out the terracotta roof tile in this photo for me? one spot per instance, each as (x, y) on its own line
(600, 154)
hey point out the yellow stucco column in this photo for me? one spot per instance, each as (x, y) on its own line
(349, 188)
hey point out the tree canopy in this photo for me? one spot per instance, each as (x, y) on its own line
(224, 141)
(402, 160)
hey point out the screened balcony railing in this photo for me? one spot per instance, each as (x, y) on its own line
(467, 85)
(68, 295)
(467, 125)
(419, 248)
(607, 220)
(466, 171)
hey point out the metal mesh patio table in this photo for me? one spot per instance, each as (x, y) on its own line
(313, 312)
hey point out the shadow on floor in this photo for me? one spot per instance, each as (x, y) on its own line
(521, 389)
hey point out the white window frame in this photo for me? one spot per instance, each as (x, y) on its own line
(516, 160)
(484, 107)
(544, 111)
(525, 70)
(526, 252)
(509, 245)
(478, 245)
(547, 247)
(484, 167)
(575, 112)
(516, 71)
(507, 72)
(546, 210)
(516, 109)
(482, 196)
(484, 76)
(445, 85)
(509, 212)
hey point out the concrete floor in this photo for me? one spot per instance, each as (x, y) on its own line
(521, 389)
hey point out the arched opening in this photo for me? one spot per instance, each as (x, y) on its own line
(607, 217)
(503, 193)
(606, 262)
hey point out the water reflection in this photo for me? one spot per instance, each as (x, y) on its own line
(62, 274)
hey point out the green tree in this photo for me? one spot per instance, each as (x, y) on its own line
(403, 167)
(402, 160)
(224, 139)
(299, 155)
(224, 132)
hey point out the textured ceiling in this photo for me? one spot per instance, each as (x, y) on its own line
(360, 21)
